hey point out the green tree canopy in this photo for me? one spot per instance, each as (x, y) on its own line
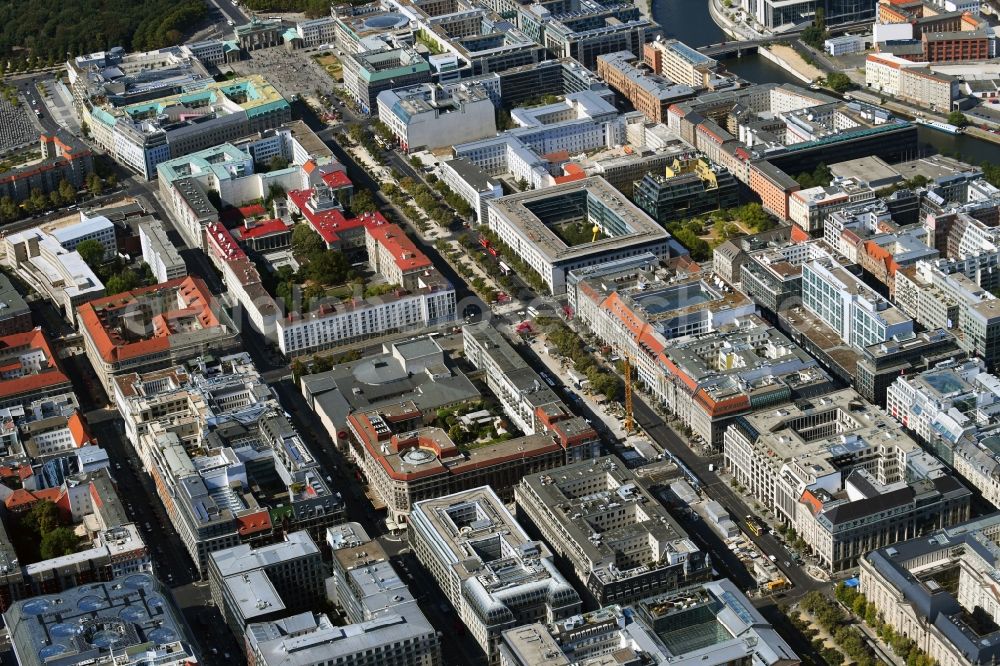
(58, 542)
(42, 517)
(329, 268)
(839, 82)
(92, 252)
(277, 162)
(958, 119)
(363, 201)
(306, 242)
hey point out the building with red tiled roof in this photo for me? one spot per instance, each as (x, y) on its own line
(391, 253)
(404, 465)
(265, 236)
(322, 208)
(28, 369)
(154, 327)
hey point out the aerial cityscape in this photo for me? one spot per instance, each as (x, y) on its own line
(500, 333)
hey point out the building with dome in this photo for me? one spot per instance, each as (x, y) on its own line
(126, 621)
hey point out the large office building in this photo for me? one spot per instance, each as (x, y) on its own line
(228, 466)
(952, 401)
(621, 542)
(430, 116)
(535, 226)
(143, 134)
(488, 568)
(528, 401)
(256, 584)
(405, 462)
(369, 73)
(882, 363)
(937, 590)
(64, 157)
(711, 624)
(689, 188)
(855, 311)
(39, 257)
(154, 327)
(672, 330)
(31, 369)
(591, 30)
(414, 371)
(126, 621)
(772, 275)
(843, 475)
(385, 626)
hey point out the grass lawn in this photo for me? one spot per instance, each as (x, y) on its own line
(331, 65)
(341, 291)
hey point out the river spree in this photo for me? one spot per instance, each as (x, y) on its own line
(690, 22)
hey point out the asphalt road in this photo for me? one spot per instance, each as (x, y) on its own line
(668, 440)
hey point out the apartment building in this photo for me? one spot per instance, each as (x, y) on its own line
(487, 567)
(650, 93)
(843, 475)
(680, 63)
(911, 81)
(809, 209)
(622, 543)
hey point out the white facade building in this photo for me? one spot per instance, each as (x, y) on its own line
(159, 253)
(493, 574)
(850, 307)
(430, 115)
